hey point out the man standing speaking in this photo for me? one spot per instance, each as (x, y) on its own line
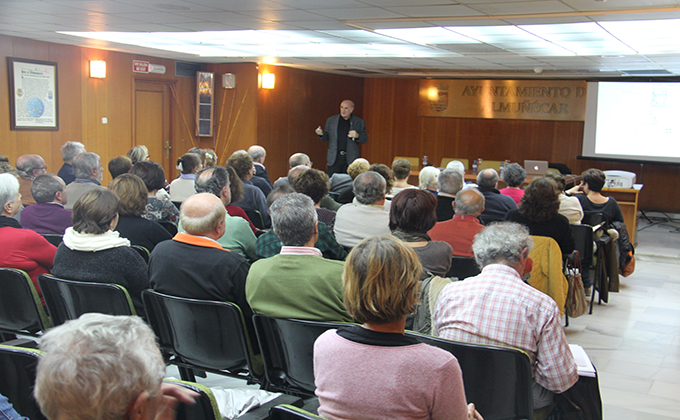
(344, 133)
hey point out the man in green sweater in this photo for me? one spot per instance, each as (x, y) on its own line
(298, 283)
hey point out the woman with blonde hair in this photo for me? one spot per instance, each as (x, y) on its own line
(133, 196)
(373, 370)
(138, 154)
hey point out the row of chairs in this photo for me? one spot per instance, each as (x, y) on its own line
(211, 336)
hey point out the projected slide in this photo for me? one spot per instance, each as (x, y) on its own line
(639, 121)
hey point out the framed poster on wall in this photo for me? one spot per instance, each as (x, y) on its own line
(33, 96)
(205, 92)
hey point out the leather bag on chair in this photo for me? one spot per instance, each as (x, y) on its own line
(576, 304)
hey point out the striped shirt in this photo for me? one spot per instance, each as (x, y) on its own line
(498, 308)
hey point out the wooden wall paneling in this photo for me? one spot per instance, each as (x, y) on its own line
(301, 101)
(8, 143)
(70, 104)
(239, 117)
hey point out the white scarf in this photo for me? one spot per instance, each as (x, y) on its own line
(93, 242)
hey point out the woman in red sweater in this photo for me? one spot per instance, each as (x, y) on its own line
(23, 249)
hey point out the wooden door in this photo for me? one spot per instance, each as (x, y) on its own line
(152, 103)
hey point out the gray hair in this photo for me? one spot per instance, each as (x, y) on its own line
(501, 243)
(9, 188)
(513, 175)
(469, 201)
(456, 165)
(44, 187)
(487, 178)
(95, 366)
(298, 159)
(84, 163)
(293, 219)
(450, 181)
(428, 177)
(71, 149)
(212, 180)
(256, 152)
(138, 154)
(369, 187)
(26, 164)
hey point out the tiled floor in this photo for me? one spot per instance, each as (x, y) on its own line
(634, 340)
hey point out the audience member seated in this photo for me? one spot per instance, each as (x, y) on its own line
(236, 190)
(69, 151)
(119, 165)
(194, 264)
(457, 166)
(105, 367)
(498, 308)
(366, 216)
(269, 244)
(133, 197)
(570, 207)
(238, 236)
(514, 175)
(29, 167)
(93, 251)
(5, 167)
(48, 215)
(138, 154)
(373, 370)
(496, 205)
(258, 154)
(401, 170)
(539, 212)
(427, 179)
(450, 181)
(460, 231)
(296, 159)
(23, 249)
(412, 214)
(589, 194)
(253, 198)
(314, 184)
(89, 172)
(157, 209)
(356, 168)
(386, 173)
(297, 283)
(183, 187)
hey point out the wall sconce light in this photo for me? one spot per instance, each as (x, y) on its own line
(268, 80)
(433, 94)
(98, 69)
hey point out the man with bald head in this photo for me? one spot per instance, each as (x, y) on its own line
(29, 167)
(460, 231)
(296, 160)
(193, 264)
(496, 204)
(344, 133)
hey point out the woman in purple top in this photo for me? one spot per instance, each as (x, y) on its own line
(374, 371)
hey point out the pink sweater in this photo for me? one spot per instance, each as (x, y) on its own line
(359, 381)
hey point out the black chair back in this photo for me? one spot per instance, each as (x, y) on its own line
(202, 334)
(497, 379)
(68, 299)
(583, 242)
(594, 219)
(53, 238)
(287, 347)
(205, 407)
(143, 252)
(290, 412)
(255, 217)
(169, 226)
(463, 267)
(17, 370)
(20, 309)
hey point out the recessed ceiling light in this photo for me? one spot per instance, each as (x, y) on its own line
(173, 7)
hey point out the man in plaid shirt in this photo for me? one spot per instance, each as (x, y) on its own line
(498, 308)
